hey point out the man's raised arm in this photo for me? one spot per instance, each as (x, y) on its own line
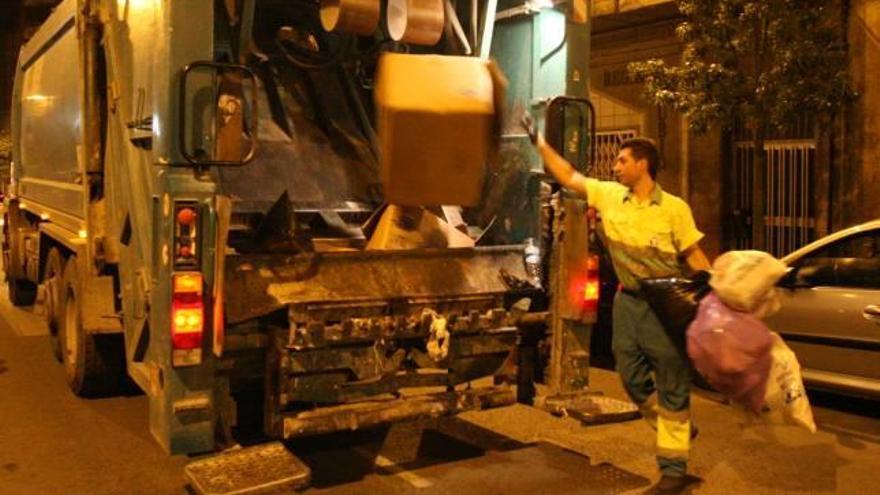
(554, 163)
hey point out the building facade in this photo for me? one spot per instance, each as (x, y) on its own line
(818, 178)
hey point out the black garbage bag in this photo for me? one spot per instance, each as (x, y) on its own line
(675, 301)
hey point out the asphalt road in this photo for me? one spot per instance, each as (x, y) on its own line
(54, 443)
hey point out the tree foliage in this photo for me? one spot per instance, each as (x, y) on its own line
(760, 63)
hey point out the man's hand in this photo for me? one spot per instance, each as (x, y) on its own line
(528, 125)
(558, 166)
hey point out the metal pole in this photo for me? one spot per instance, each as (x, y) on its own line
(795, 189)
(488, 29)
(790, 185)
(804, 177)
(768, 197)
(749, 191)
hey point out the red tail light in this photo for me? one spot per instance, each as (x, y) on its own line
(186, 235)
(591, 284)
(584, 287)
(187, 318)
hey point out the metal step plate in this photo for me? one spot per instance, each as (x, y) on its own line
(590, 409)
(267, 468)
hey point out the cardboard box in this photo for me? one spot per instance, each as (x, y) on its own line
(437, 127)
(415, 228)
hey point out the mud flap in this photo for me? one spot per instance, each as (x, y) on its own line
(267, 468)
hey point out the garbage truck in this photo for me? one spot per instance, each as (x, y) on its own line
(195, 187)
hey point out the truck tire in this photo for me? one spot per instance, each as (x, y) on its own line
(93, 363)
(52, 289)
(21, 292)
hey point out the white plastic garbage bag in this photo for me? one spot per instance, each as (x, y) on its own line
(786, 399)
(768, 305)
(744, 280)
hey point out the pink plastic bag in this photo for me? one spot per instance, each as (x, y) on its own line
(732, 351)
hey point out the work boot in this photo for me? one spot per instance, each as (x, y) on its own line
(671, 485)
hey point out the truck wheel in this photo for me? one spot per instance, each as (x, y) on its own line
(21, 292)
(52, 280)
(93, 363)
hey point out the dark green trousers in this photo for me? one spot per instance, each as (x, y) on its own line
(656, 377)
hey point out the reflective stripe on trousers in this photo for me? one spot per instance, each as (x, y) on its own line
(673, 434)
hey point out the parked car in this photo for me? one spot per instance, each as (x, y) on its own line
(830, 313)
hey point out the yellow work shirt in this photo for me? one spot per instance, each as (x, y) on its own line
(645, 239)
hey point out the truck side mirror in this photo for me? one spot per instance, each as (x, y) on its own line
(218, 123)
(570, 128)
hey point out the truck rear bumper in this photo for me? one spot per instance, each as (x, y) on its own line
(375, 412)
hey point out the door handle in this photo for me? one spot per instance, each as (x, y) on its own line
(872, 313)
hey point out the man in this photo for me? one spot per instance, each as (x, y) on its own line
(648, 233)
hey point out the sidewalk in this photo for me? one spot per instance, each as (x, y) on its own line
(729, 458)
